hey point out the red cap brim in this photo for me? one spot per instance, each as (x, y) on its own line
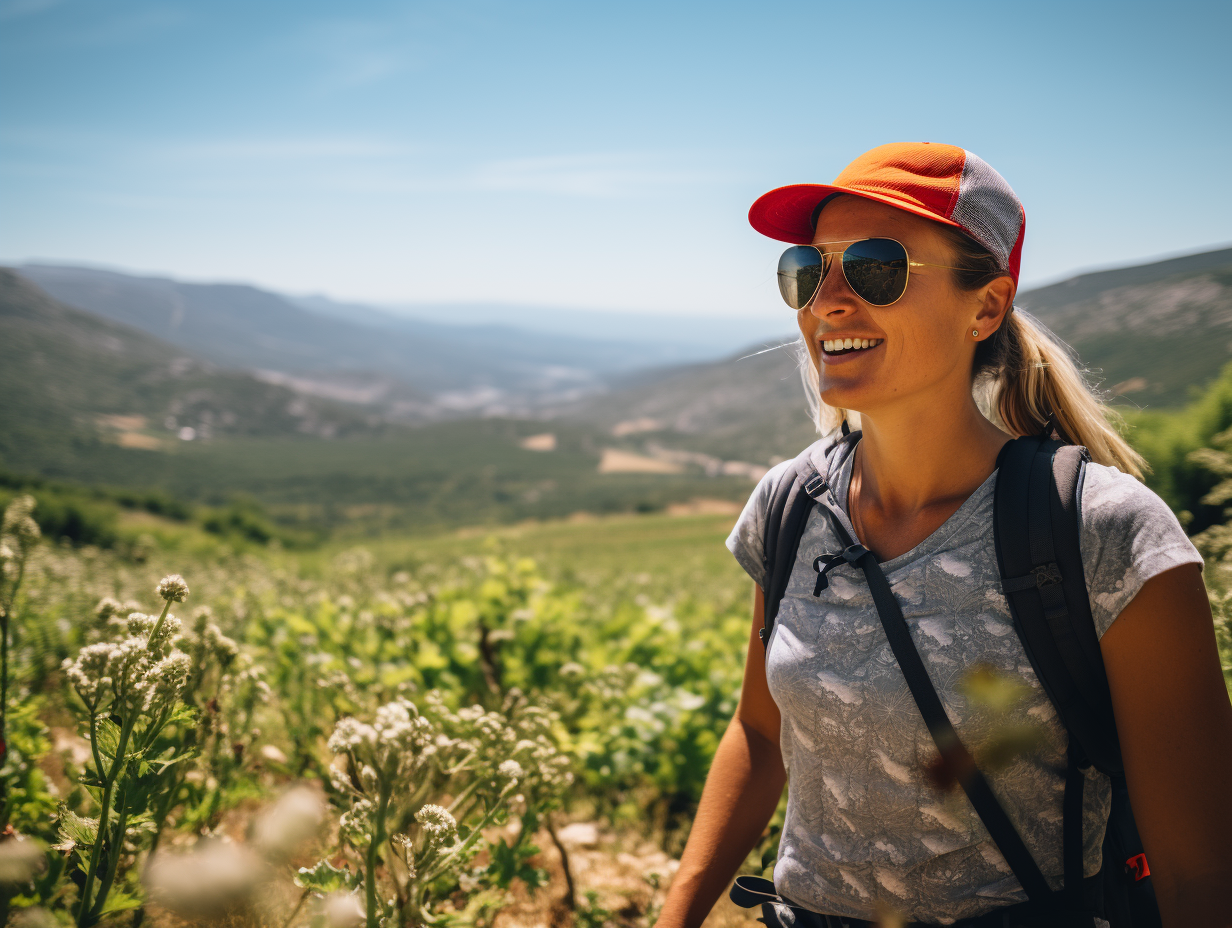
(786, 213)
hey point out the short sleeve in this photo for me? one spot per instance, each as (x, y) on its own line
(1129, 535)
(746, 540)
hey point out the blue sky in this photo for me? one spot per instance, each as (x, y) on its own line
(583, 154)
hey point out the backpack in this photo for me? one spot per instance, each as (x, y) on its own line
(1036, 531)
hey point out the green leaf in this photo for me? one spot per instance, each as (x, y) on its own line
(107, 737)
(78, 829)
(118, 901)
(325, 878)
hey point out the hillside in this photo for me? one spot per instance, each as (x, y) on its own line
(409, 370)
(1152, 331)
(79, 388)
(1149, 335)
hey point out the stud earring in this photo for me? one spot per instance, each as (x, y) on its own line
(975, 333)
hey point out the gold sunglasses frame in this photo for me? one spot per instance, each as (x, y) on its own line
(816, 246)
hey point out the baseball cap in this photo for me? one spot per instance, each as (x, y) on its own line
(940, 182)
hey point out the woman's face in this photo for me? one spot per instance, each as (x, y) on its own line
(923, 340)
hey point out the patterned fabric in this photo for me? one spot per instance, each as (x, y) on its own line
(865, 828)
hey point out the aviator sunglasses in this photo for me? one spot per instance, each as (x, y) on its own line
(876, 270)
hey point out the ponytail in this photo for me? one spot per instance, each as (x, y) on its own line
(1031, 381)
(1025, 379)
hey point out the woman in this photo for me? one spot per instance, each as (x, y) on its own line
(866, 831)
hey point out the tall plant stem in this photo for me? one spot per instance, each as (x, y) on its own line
(117, 845)
(104, 815)
(378, 838)
(6, 609)
(159, 624)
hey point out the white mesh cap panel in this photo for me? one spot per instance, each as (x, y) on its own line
(988, 208)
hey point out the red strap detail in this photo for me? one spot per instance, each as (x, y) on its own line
(1138, 867)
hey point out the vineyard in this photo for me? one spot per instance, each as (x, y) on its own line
(439, 730)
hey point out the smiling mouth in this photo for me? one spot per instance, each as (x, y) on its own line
(841, 346)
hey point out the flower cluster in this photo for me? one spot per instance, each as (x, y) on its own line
(141, 671)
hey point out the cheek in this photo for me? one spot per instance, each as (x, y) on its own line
(807, 324)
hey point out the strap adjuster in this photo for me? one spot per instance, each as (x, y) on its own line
(815, 485)
(1046, 575)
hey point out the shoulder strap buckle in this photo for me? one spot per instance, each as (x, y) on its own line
(1046, 575)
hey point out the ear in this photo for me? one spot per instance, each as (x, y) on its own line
(996, 299)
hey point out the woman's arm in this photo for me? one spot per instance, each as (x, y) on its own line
(1175, 723)
(742, 791)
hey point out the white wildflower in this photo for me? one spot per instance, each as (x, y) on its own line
(107, 607)
(510, 770)
(355, 825)
(214, 878)
(349, 734)
(225, 649)
(296, 817)
(168, 676)
(343, 910)
(173, 589)
(90, 673)
(19, 528)
(439, 826)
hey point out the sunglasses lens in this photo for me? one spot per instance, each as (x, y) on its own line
(800, 274)
(876, 270)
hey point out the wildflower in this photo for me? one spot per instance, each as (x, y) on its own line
(296, 817)
(439, 826)
(18, 527)
(215, 878)
(108, 607)
(510, 770)
(225, 649)
(349, 734)
(166, 678)
(173, 589)
(355, 825)
(572, 669)
(142, 626)
(343, 910)
(90, 672)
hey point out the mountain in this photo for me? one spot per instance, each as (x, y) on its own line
(1150, 334)
(664, 338)
(410, 369)
(73, 385)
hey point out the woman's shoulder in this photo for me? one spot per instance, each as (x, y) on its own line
(1128, 535)
(747, 538)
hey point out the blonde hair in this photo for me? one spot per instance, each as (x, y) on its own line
(1025, 379)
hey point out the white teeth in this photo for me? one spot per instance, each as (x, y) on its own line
(846, 344)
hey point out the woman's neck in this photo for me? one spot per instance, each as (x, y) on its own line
(912, 461)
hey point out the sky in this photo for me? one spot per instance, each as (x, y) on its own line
(583, 155)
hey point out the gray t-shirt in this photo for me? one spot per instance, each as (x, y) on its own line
(865, 828)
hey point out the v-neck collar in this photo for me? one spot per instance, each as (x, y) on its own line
(935, 541)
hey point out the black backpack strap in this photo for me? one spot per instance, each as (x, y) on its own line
(1040, 559)
(786, 519)
(949, 745)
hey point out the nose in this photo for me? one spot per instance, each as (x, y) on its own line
(834, 298)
